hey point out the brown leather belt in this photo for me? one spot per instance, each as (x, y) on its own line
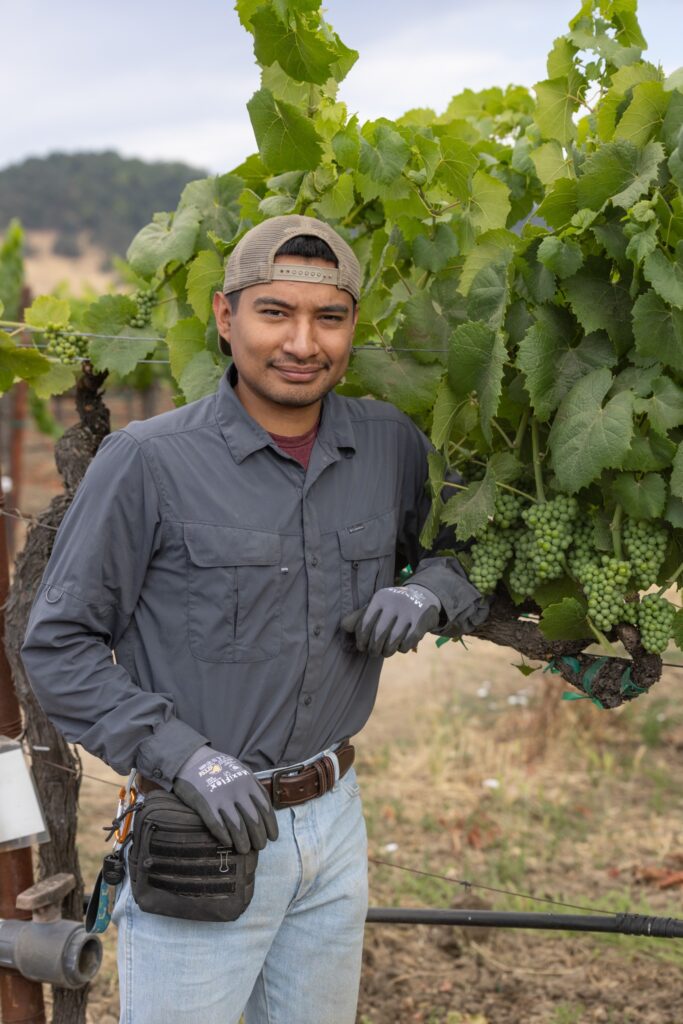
(286, 789)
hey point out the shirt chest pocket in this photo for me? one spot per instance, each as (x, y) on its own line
(368, 552)
(233, 593)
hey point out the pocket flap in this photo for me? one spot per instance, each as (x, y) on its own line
(373, 538)
(229, 545)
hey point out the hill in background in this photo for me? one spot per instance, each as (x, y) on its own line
(101, 197)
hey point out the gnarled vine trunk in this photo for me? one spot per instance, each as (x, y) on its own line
(57, 769)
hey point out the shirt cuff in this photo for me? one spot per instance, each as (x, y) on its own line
(169, 746)
(446, 579)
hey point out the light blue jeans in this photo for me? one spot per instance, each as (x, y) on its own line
(293, 957)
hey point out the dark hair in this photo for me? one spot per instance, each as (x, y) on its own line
(308, 247)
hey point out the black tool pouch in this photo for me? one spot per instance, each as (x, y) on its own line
(178, 869)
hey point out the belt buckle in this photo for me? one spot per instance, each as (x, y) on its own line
(275, 780)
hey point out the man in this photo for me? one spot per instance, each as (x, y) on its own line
(239, 556)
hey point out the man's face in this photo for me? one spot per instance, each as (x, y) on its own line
(290, 340)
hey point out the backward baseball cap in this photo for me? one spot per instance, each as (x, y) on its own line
(252, 261)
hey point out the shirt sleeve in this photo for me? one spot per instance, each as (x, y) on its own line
(443, 575)
(86, 599)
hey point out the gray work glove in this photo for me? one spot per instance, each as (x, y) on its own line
(228, 798)
(396, 619)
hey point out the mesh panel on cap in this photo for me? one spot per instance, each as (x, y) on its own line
(251, 261)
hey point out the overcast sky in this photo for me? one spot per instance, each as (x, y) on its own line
(169, 80)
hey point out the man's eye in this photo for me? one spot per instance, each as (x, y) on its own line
(273, 312)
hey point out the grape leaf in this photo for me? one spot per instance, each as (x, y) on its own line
(649, 453)
(642, 243)
(504, 467)
(677, 473)
(109, 315)
(456, 167)
(434, 253)
(489, 294)
(565, 620)
(562, 256)
(587, 437)
(550, 162)
(200, 376)
(216, 199)
(166, 239)
(665, 407)
(121, 355)
(641, 497)
(658, 330)
(423, 328)
(19, 361)
(560, 60)
(666, 277)
(204, 277)
(496, 246)
(644, 114)
(443, 415)
(600, 304)
(338, 200)
(559, 205)
(620, 172)
(185, 340)
(555, 104)
(302, 54)
(489, 202)
(673, 513)
(475, 364)
(45, 310)
(469, 511)
(551, 365)
(384, 158)
(346, 145)
(286, 138)
(55, 381)
(400, 380)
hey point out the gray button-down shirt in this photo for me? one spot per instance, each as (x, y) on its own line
(218, 570)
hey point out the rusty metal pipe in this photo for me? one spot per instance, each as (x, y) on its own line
(21, 1000)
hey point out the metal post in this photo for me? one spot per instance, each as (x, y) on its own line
(21, 1000)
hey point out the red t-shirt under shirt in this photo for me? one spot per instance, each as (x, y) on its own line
(299, 447)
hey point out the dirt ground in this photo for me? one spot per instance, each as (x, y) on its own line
(470, 770)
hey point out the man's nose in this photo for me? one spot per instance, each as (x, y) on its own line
(301, 339)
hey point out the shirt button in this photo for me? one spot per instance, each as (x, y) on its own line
(157, 773)
(314, 560)
(317, 631)
(308, 699)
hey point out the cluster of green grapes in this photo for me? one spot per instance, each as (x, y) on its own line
(523, 576)
(495, 546)
(508, 509)
(582, 552)
(605, 584)
(550, 523)
(144, 300)
(65, 343)
(645, 544)
(544, 541)
(489, 558)
(655, 620)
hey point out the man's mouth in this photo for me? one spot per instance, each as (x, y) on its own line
(300, 374)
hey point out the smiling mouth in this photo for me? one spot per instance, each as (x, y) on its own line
(299, 373)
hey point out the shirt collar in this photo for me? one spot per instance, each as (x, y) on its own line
(244, 435)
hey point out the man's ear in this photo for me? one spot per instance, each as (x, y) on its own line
(223, 315)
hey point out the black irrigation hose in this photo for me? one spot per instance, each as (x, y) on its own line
(624, 924)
